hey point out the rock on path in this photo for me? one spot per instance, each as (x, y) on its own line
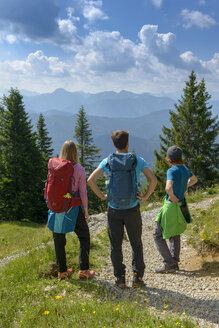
(185, 293)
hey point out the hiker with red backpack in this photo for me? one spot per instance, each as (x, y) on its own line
(66, 196)
(122, 171)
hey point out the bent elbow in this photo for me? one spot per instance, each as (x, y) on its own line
(89, 182)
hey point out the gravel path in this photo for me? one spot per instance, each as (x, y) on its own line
(186, 293)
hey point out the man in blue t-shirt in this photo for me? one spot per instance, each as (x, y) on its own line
(120, 215)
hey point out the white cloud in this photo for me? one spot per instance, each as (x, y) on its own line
(11, 38)
(196, 18)
(36, 64)
(189, 57)
(92, 10)
(93, 13)
(108, 61)
(213, 64)
(106, 51)
(157, 3)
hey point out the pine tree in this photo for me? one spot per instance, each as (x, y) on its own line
(87, 151)
(88, 158)
(21, 180)
(43, 140)
(194, 130)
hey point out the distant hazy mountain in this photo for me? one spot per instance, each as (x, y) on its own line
(142, 114)
(143, 130)
(108, 104)
(28, 93)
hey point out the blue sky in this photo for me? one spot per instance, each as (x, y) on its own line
(99, 45)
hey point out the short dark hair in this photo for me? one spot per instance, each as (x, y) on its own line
(178, 162)
(120, 138)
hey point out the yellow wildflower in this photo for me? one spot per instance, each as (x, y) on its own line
(58, 296)
(46, 312)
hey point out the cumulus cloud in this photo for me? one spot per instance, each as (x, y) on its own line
(213, 64)
(107, 60)
(91, 10)
(159, 45)
(92, 13)
(196, 18)
(37, 64)
(106, 51)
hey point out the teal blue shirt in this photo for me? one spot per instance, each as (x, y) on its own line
(180, 175)
(141, 164)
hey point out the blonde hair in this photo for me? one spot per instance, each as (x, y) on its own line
(69, 151)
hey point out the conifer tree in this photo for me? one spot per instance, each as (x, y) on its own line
(43, 140)
(88, 157)
(87, 151)
(21, 180)
(194, 130)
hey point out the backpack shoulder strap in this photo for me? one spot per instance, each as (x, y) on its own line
(108, 162)
(134, 159)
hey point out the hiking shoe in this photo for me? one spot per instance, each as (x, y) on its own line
(176, 266)
(137, 282)
(120, 281)
(63, 275)
(167, 268)
(86, 274)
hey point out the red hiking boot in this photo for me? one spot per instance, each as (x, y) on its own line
(86, 274)
(63, 275)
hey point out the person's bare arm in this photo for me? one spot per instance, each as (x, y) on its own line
(169, 190)
(193, 180)
(92, 182)
(152, 184)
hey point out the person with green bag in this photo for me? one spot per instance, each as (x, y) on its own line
(174, 215)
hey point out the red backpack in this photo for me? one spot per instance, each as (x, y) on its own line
(58, 189)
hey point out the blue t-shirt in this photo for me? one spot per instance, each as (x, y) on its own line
(180, 175)
(141, 164)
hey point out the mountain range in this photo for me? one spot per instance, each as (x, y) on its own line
(143, 115)
(107, 104)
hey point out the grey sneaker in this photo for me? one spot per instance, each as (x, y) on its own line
(120, 281)
(167, 268)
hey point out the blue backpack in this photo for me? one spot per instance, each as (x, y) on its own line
(122, 188)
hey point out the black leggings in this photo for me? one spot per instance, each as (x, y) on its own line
(82, 231)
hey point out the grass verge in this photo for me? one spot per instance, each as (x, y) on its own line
(21, 236)
(204, 231)
(198, 195)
